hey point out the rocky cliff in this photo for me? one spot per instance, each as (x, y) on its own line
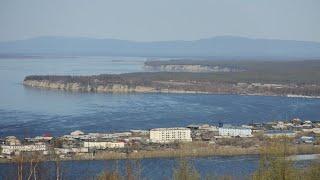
(145, 83)
(158, 87)
(189, 68)
(74, 86)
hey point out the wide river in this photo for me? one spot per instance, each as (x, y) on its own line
(30, 112)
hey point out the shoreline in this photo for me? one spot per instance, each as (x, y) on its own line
(170, 92)
(219, 151)
(294, 157)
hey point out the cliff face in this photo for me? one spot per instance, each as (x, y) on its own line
(111, 88)
(146, 83)
(189, 68)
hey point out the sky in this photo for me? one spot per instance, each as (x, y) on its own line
(160, 20)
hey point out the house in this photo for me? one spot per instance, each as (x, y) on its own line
(71, 150)
(62, 150)
(316, 130)
(12, 141)
(193, 126)
(167, 135)
(280, 125)
(296, 121)
(80, 150)
(307, 126)
(307, 122)
(296, 128)
(203, 127)
(207, 127)
(279, 133)
(102, 144)
(77, 133)
(139, 132)
(234, 131)
(39, 139)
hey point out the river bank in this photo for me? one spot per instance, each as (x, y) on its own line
(177, 88)
(186, 151)
(190, 150)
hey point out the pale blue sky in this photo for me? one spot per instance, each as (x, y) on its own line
(151, 20)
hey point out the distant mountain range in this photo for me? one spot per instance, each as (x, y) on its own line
(218, 47)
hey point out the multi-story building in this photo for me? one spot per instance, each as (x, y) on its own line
(165, 135)
(9, 149)
(235, 131)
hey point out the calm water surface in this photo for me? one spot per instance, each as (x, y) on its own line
(30, 112)
(239, 167)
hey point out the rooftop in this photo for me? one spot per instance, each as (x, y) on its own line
(172, 128)
(279, 132)
(227, 126)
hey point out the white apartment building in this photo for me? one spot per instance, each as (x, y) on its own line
(7, 149)
(165, 135)
(235, 131)
(102, 144)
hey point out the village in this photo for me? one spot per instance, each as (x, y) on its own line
(78, 144)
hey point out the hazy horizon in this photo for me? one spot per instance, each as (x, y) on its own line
(221, 46)
(146, 41)
(166, 20)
